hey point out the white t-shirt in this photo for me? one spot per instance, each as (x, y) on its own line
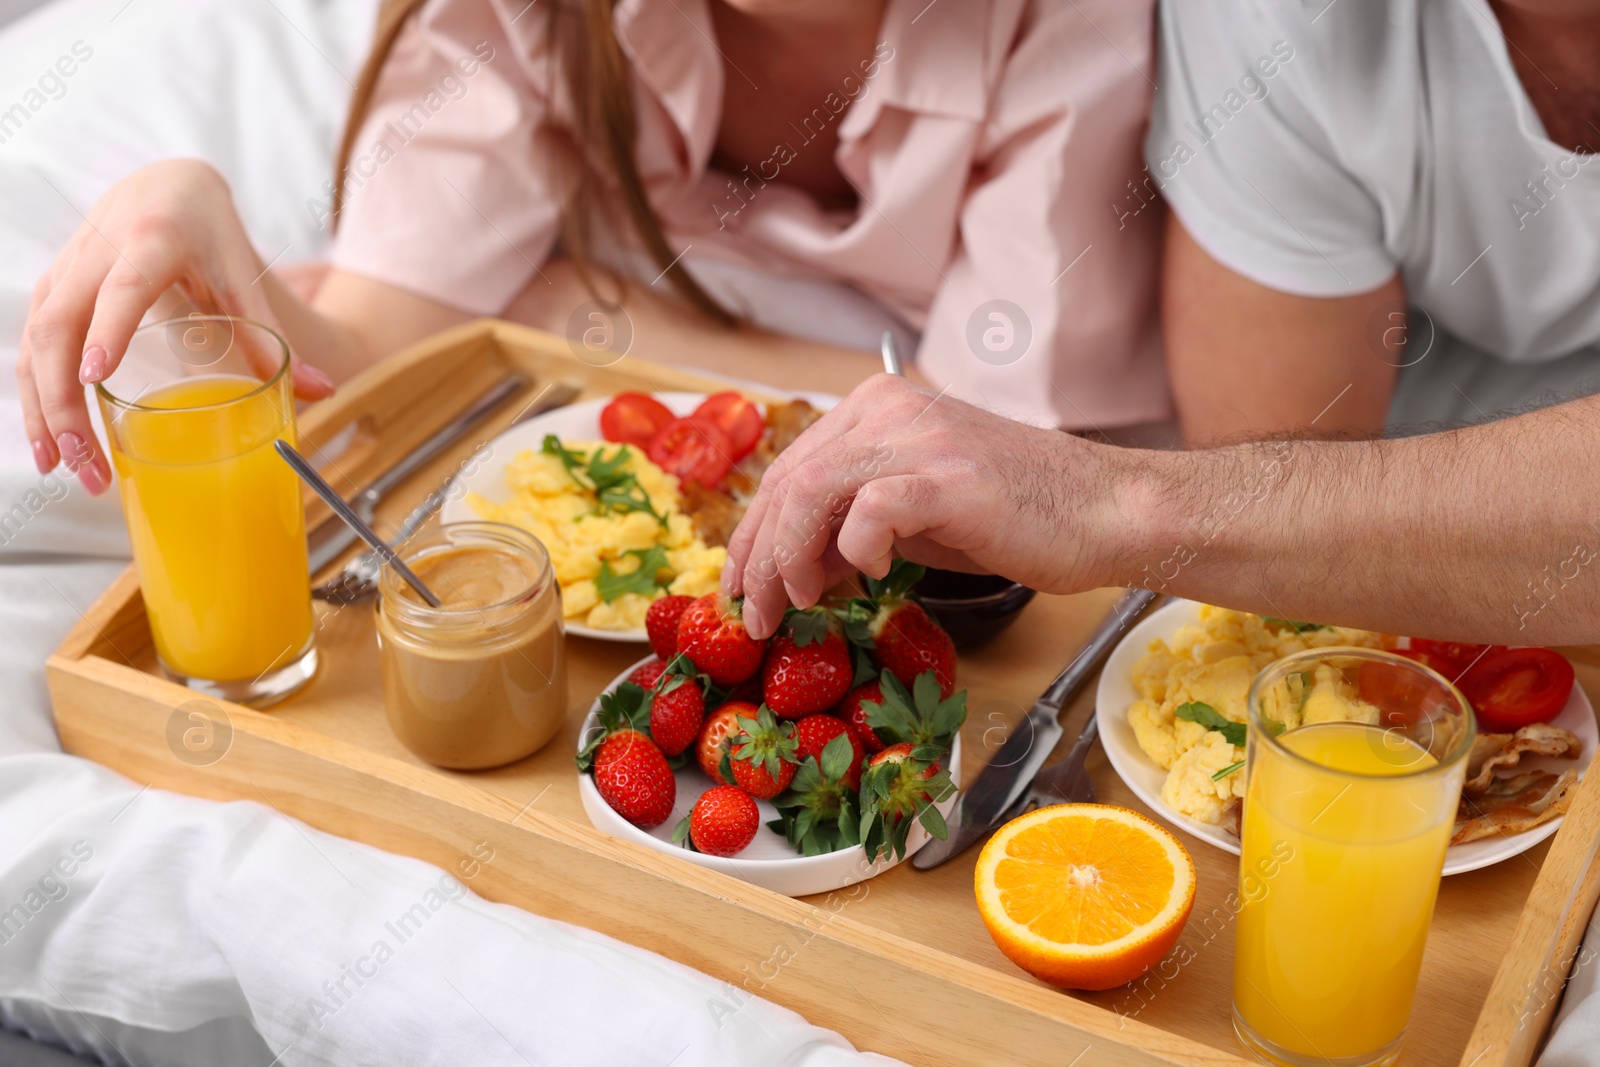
(1318, 148)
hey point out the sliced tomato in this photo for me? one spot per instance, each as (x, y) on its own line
(736, 416)
(1398, 692)
(634, 419)
(1512, 687)
(695, 451)
(1457, 653)
(1444, 665)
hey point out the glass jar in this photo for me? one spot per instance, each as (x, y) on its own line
(480, 680)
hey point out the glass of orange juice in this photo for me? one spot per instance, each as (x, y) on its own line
(1354, 767)
(214, 515)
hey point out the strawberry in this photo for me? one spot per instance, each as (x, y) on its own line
(808, 666)
(919, 717)
(629, 770)
(818, 812)
(712, 635)
(853, 710)
(900, 786)
(763, 759)
(677, 707)
(711, 747)
(661, 624)
(811, 736)
(723, 822)
(903, 638)
(646, 674)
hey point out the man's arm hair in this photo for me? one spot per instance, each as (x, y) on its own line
(1485, 533)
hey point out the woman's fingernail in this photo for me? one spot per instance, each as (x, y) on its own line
(309, 375)
(93, 478)
(93, 367)
(727, 578)
(43, 456)
(74, 453)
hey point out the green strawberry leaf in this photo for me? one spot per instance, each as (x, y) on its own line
(836, 757)
(903, 574)
(933, 822)
(807, 627)
(680, 835)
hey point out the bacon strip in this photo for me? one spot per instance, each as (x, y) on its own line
(1513, 804)
(1496, 752)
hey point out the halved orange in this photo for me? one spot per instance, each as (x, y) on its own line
(1084, 896)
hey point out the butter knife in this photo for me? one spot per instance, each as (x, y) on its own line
(992, 796)
(331, 537)
(358, 580)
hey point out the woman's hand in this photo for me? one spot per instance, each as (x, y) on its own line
(895, 469)
(171, 225)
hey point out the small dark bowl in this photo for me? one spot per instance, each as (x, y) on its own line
(973, 608)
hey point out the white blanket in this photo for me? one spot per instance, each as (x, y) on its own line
(139, 926)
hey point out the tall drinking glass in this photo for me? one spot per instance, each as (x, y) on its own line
(214, 515)
(1355, 761)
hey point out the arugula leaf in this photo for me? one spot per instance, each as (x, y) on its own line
(644, 579)
(1207, 716)
(1298, 627)
(1229, 769)
(616, 491)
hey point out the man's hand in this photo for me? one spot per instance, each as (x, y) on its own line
(896, 470)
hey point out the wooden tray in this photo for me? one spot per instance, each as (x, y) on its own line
(901, 964)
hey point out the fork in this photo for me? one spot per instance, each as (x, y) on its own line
(358, 581)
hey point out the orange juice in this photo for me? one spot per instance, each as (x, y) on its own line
(1328, 949)
(217, 526)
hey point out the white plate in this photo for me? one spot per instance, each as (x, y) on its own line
(768, 861)
(1117, 693)
(576, 422)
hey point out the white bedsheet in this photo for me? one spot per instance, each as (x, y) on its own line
(143, 927)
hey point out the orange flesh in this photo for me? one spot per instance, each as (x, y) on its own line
(1084, 881)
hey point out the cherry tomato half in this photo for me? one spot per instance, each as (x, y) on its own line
(695, 451)
(737, 417)
(634, 419)
(1457, 653)
(1512, 687)
(1444, 665)
(1395, 690)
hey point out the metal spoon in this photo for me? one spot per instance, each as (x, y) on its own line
(309, 475)
(891, 356)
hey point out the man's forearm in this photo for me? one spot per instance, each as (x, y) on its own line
(1490, 533)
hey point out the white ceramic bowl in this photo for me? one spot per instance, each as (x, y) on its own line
(1116, 694)
(768, 861)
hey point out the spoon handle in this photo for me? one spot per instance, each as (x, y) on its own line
(309, 475)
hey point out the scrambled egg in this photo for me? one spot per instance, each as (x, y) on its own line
(1213, 662)
(546, 502)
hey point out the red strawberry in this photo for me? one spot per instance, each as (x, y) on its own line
(629, 770)
(713, 636)
(808, 666)
(763, 757)
(677, 708)
(852, 712)
(661, 623)
(905, 639)
(900, 787)
(646, 674)
(811, 736)
(723, 822)
(711, 746)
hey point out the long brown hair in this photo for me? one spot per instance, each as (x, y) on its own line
(606, 129)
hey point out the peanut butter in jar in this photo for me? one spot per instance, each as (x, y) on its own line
(480, 680)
